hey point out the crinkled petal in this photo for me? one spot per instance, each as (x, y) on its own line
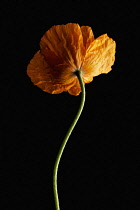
(75, 89)
(100, 56)
(48, 79)
(88, 36)
(87, 79)
(66, 42)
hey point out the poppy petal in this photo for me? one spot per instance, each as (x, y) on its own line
(88, 36)
(46, 78)
(75, 89)
(99, 57)
(66, 42)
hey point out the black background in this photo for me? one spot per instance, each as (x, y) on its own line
(98, 169)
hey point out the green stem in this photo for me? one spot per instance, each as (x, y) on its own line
(78, 73)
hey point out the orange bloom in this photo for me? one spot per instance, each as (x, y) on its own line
(65, 49)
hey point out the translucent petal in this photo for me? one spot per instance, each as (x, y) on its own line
(99, 57)
(66, 42)
(48, 79)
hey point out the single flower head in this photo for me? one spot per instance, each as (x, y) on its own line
(64, 49)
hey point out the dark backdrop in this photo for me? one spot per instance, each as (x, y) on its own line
(98, 167)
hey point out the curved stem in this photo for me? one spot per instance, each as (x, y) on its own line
(78, 73)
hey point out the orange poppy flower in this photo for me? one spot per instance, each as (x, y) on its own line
(65, 49)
